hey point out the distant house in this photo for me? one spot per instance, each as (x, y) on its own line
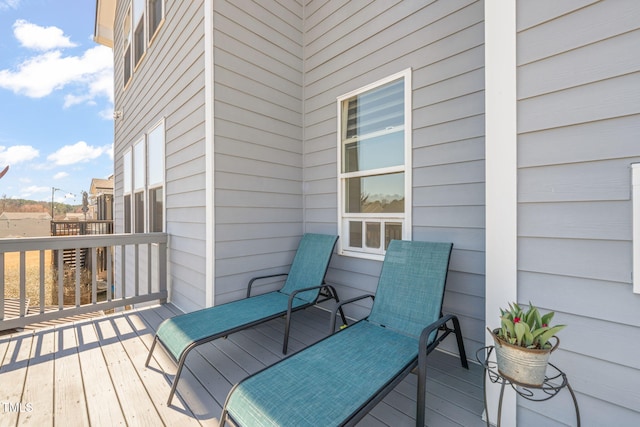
(25, 224)
(101, 199)
(508, 128)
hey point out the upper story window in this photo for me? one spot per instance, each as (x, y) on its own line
(126, 37)
(141, 24)
(139, 44)
(374, 158)
(155, 10)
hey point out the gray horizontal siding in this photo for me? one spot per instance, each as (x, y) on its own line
(351, 44)
(578, 115)
(258, 133)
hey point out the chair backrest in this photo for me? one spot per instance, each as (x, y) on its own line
(310, 265)
(411, 286)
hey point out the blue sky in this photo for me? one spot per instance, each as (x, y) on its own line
(56, 100)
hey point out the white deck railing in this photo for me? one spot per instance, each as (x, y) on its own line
(134, 271)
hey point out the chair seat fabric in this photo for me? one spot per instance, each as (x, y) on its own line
(348, 367)
(177, 333)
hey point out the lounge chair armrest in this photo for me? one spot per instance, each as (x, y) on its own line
(424, 349)
(332, 324)
(250, 284)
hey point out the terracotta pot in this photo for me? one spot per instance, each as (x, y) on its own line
(522, 365)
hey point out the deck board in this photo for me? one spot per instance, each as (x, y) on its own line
(91, 372)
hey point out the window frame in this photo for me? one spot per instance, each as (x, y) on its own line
(139, 47)
(152, 36)
(405, 218)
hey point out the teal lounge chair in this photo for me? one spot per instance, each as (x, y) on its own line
(303, 287)
(338, 380)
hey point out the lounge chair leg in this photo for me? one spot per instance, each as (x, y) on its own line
(153, 345)
(421, 398)
(287, 326)
(334, 294)
(458, 332)
(174, 386)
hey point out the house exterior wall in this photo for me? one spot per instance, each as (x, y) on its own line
(352, 44)
(578, 133)
(257, 56)
(169, 83)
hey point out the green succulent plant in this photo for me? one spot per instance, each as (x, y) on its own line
(528, 328)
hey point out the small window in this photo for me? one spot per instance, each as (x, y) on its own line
(374, 153)
(126, 36)
(127, 213)
(139, 211)
(155, 10)
(139, 42)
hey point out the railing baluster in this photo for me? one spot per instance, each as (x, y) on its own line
(23, 283)
(109, 273)
(136, 266)
(78, 272)
(94, 269)
(123, 269)
(149, 271)
(2, 286)
(60, 279)
(41, 304)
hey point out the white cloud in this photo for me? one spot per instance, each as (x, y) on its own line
(60, 175)
(17, 154)
(9, 4)
(33, 36)
(42, 74)
(77, 153)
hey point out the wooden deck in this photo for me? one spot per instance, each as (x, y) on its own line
(91, 373)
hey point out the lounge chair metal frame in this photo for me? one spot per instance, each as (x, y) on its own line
(326, 292)
(442, 327)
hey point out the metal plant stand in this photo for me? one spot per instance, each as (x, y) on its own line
(555, 381)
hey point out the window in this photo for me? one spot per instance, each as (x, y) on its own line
(155, 10)
(374, 160)
(155, 177)
(127, 191)
(126, 36)
(138, 34)
(138, 186)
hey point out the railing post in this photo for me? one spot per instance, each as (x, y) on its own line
(162, 269)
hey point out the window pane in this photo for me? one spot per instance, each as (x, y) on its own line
(375, 194)
(139, 212)
(373, 111)
(138, 9)
(127, 172)
(138, 167)
(127, 213)
(373, 235)
(127, 65)
(355, 234)
(155, 209)
(138, 41)
(156, 156)
(155, 15)
(372, 153)
(392, 231)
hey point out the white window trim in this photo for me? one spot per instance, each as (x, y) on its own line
(635, 185)
(407, 168)
(137, 188)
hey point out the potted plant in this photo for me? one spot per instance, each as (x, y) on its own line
(523, 344)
